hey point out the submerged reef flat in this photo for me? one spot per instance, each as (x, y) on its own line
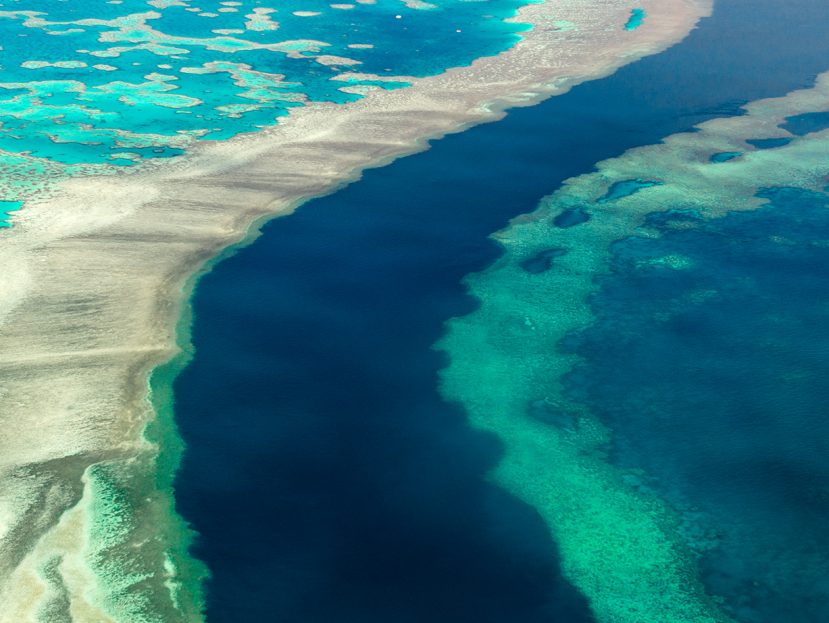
(517, 366)
(89, 92)
(97, 270)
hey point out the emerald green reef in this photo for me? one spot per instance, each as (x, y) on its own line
(651, 297)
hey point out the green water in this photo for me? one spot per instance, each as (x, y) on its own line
(634, 553)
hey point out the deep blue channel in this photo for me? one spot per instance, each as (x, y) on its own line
(328, 479)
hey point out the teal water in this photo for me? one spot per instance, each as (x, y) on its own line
(768, 143)
(637, 18)
(806, 123)
(626, 188)
(95, 87)
(652, 352)
(725, 156)
(5, 208)
(712, 377)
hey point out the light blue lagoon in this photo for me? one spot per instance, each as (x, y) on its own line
(95, 88)
(637, 17)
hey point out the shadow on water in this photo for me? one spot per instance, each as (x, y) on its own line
(327, 477)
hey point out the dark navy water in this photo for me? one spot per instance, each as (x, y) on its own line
(325, 474)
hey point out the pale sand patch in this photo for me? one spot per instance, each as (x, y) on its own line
(95, 279)
(330, 59)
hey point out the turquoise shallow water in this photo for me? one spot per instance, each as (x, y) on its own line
(626, 188)
(637, 18)
(725, 156)
(5, 208)
(92, 87)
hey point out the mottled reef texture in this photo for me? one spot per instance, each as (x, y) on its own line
(96, 279)
(621, 544)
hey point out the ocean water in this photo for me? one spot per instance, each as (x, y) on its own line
(711, 375)
(328, 476)
(92, 88)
